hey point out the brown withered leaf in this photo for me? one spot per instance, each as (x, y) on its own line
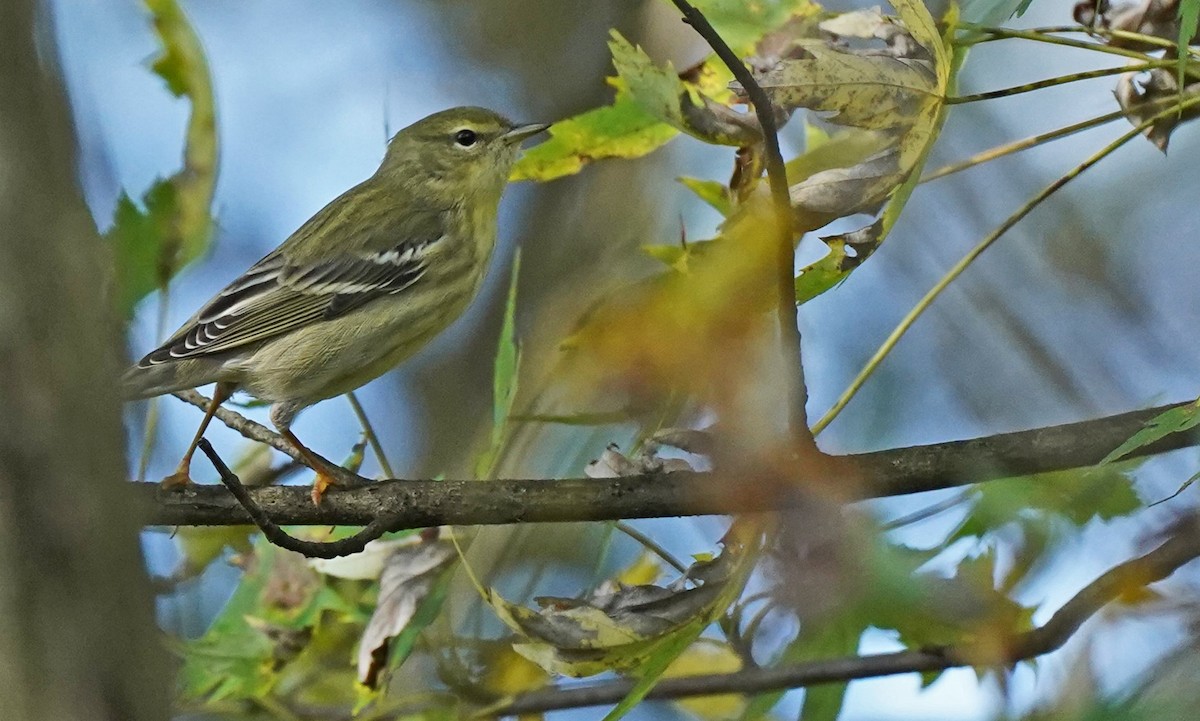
(407, 582)
(614, 464)
(859, 188)
(1157, 18)
(1142, 100)
(861, 89)
(617, 627)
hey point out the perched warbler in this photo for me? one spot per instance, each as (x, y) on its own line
(360, 287)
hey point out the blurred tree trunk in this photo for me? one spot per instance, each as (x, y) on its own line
(77, 639)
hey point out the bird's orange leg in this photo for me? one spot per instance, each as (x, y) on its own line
(324, 479)
(182, 475)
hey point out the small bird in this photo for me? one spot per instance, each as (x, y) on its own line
(360, 287)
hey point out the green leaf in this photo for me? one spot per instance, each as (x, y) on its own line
(711, 192)
(150, 246)
(660, 656)
(692, 106)
(136, 240)
(741, 23)
(1189, 20)
(240, 655)
(1075, 496)
(626, 129)
(1175, 420)
(621, 130)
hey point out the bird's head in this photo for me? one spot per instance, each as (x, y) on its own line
(458, 153)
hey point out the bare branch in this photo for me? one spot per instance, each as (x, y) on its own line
(424, 503)
(276, 535)
(1181, 547)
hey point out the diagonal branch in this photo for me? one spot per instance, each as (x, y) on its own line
(424, 503)
(1181, 547)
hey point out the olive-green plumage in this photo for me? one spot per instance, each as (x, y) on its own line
(362, 285)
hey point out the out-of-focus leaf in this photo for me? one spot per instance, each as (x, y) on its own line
(412, 587)
(504, 377)
(673, 256)
(1074, 496)
(1175, 420)
(740, 23)
(1189, 22)
(237, 658)
(964, 609)
(677, 334)
(703, 657)
(992, 12)
(832, 638)
(509, 673)
(645, 570)
(150, 245)
(366, 565)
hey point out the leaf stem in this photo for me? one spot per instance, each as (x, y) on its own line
(992, 33)
(369, 432)
(1060, 80)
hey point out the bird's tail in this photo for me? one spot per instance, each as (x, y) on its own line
(147, 381)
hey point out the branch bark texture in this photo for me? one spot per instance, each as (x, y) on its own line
(424, 503)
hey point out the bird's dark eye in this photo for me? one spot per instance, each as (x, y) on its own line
(465, 138)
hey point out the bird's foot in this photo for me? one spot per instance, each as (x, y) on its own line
(177, 482)
(333, 477)
(321, 484)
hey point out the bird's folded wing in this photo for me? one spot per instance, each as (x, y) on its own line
(274, 297)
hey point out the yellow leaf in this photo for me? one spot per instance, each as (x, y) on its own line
(704, 657)
(641, 572)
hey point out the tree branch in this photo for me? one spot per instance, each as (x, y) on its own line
(1182, 546)
(313, 549)
(424, 503)
(789, 328)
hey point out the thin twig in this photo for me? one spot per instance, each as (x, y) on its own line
(1156, 565)
(241, 424)
(1036, 36)
(1056, 81)
(276, 535)
(426, 503)
(789, 328)
(372, 437)
(1017, 146)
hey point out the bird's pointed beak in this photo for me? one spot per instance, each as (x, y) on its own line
(522, 132)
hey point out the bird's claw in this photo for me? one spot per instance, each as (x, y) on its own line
(321, 484)
(177, 481)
